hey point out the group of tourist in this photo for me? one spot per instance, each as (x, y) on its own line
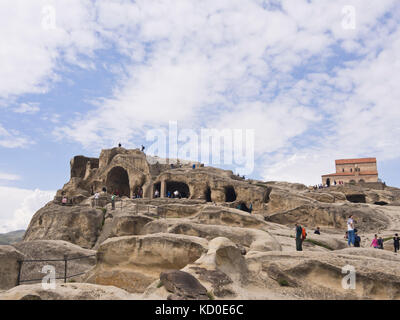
(138, 194)
(352, 237)
(141, 148)
(327, 185)
(176, 194)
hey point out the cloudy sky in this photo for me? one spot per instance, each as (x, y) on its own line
(315, 80)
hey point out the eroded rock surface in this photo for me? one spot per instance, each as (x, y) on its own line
(9, 257)
(76, 224)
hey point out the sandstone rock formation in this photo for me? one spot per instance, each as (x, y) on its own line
(134, 262)
(77, 224)
(54, 250)
(9, 257)
(207, 244)
(68, 291)
(182, 285)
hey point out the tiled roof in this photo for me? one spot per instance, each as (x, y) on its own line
(354, 161)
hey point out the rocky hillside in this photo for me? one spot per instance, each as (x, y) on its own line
(11, 237)
(210, 248)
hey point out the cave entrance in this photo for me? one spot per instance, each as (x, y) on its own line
(207, 194)
(356, 198)
(242, 206)
(381, 203)
(118, 181)
(230, 194)
(182, 188)
(157, 187)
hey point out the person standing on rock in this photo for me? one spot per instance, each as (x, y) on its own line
(380, 243)
(374, 242)
(396, 242)
(96, 199)
(113, 202)
(350, 231)
(299, 240)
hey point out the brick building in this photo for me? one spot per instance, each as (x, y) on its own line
(353, 171)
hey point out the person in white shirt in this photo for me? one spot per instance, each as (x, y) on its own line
(350, 231)
(96, 199)
(156, 194)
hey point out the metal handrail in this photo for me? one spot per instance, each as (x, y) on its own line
(65, 260)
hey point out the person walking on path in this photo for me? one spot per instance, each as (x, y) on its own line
(350, 231)
(380, 243)
(299, 240)
(374, 242)
(113, 202)
(396, 242)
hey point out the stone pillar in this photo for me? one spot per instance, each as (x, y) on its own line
(148, 191)
(163, 189)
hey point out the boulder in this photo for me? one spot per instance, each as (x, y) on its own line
(253, 239)
(76, 224)
(134, 262)
(223, 270)
(67, 291)
(127, 225)
(55, 250)
(319, 275)
(183, 286)
(9, 267)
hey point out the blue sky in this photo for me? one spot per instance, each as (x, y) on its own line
(315, 80)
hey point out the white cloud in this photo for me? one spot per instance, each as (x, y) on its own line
(30, 108)
(13, 139)
(9, 177)
(19, 205)
(32, 46)
(228, 63)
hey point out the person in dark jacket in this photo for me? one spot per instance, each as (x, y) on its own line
(357, 239)
(317, 231)
(380, 243)
(396, 242)
(299, 240)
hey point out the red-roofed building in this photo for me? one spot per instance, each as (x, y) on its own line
(353, 171)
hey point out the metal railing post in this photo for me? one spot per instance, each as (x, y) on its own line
(19, 271)
(66, 265)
